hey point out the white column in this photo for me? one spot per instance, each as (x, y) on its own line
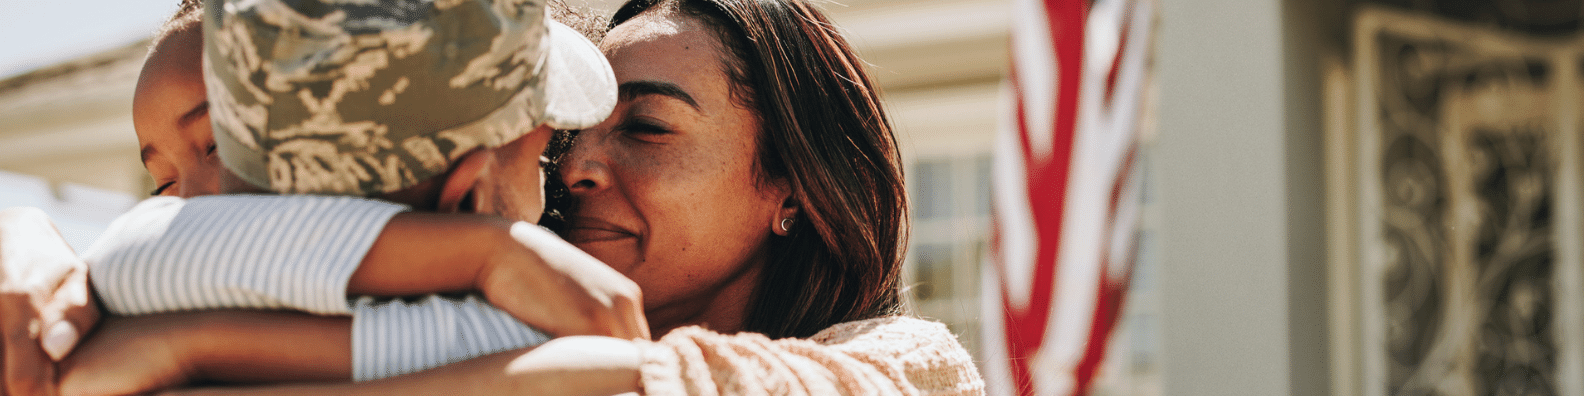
(1239, 172)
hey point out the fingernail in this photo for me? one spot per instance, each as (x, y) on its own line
(59, 340)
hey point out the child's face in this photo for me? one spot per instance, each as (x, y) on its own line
(170, 113)
(511, 183)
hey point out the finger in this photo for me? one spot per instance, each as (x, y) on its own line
(633, 316)
(628, 307)
(58, 340)
(72, 314)
(613, 317)
(3, 391)
(28, 371)
(623, 307)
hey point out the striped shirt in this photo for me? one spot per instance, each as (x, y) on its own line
(288, 252)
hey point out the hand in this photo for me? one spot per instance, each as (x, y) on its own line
(45, 301)
(550, 284)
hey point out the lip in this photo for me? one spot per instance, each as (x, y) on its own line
(587, 229)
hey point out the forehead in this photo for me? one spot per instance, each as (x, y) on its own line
(669, 47)
(179, 53)
(661, 38)
(170, 84)
(174, 67)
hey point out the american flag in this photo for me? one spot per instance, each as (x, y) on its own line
(1066, 192)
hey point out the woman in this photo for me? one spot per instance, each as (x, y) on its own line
(759, 195)
(768, 180)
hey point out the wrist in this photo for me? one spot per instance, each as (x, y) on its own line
(504, 254)
(212, 338)
(195, 342)
(254, 346)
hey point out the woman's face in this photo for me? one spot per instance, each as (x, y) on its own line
(665, 190)
(170, 113)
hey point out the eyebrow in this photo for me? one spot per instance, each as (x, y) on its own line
(187, 118)
(633, 89)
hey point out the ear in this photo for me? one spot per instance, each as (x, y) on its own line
(459, 183)
(786, 218)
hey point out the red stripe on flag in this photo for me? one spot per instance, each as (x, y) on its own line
(1116, 62)
(1047, 187)
(1111, 293)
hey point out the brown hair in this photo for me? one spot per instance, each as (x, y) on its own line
(188, 14)
(582, 19)
(825, 134)
(593, 26)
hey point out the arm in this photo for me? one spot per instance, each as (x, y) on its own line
(151, 352)
(886, 356)
(157, 351)
(525, 270)
(578, 365)
(309, 252)
(193, 245)
(562, 290)
(238, 251)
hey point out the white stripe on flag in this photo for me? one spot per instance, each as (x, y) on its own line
(1066, 192)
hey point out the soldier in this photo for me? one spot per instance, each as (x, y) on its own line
(408, 101)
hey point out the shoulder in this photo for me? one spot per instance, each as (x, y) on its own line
(899, 330)
(930, 354)
(889, 355)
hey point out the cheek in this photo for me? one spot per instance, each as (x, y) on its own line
(677, 194)
(203, 177)
(533, 197)
(516, 193)
(703, 209)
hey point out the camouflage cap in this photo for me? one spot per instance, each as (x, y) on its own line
(368, 96)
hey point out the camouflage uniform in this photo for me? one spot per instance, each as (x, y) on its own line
(359, 97)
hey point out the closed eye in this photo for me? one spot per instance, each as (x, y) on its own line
(642, 126)
(162, 188)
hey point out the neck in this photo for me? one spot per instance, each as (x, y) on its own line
(724, 311)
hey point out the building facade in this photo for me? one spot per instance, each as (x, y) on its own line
(1263, 269)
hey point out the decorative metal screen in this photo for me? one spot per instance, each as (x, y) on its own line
(1468, 170)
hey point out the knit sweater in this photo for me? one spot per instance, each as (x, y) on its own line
(883, 356)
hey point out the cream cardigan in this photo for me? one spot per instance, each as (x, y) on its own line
(893, 355)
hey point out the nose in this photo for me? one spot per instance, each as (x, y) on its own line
(585, 168)
(202, 177)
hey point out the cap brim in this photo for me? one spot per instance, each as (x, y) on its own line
(580, 89)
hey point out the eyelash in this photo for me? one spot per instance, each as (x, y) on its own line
(161, 189)
(643, 128)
